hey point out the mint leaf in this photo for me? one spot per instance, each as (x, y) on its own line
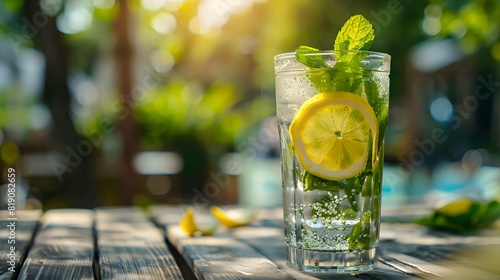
(356, 34)
(312, 182)
(320, 80)
(360, 237)
(309, 61)
(346, 77)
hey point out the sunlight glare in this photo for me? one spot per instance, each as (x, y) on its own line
(213, 14)
(153, 5)
(104, 4)
(164, 23)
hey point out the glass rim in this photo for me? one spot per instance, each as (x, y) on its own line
(330, 52)
(373, 61)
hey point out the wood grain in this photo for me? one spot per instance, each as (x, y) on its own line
(264, 236)
(131, 247)
(222, 257)
(63, 247)
(15, 232)
(270, 242)
(124, 243)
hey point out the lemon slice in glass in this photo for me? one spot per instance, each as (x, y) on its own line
(332, 133)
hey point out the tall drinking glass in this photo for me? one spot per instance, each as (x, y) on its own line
(332, 121)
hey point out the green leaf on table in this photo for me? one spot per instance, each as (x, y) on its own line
(462, 216)
(492, 212)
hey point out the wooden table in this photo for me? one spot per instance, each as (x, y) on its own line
(128, 243)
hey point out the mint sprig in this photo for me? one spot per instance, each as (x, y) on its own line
(355, 35)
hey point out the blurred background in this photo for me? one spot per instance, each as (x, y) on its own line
(120, 102)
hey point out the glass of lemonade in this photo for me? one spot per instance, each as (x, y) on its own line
(332, 117)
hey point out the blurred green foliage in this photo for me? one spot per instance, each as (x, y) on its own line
(183, 109)
(475, 23)
(204, 74)
(241, 49)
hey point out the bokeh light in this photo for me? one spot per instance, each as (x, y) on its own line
(164, 23)
(162, 61)
(441, 109)
(77, 17)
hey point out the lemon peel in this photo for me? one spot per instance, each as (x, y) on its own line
(192, 228)
(231, 221)
(456, 207)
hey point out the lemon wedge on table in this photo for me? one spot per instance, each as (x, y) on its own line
(192, 227)
(332, 133)
(232, 218)
(456, 207)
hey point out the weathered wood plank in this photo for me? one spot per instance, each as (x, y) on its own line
(227, 259)
(408, 251)
(222, 257)
(131, 247)
(444, 254)
(63, 247)
(215, 257)
(165, 215)
(21, 215)
(16, 232)
(270, 242)
(478, 261)
(453, 261)
(266, 236)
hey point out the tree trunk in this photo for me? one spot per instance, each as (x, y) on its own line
(127, 126)
(77, 174)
